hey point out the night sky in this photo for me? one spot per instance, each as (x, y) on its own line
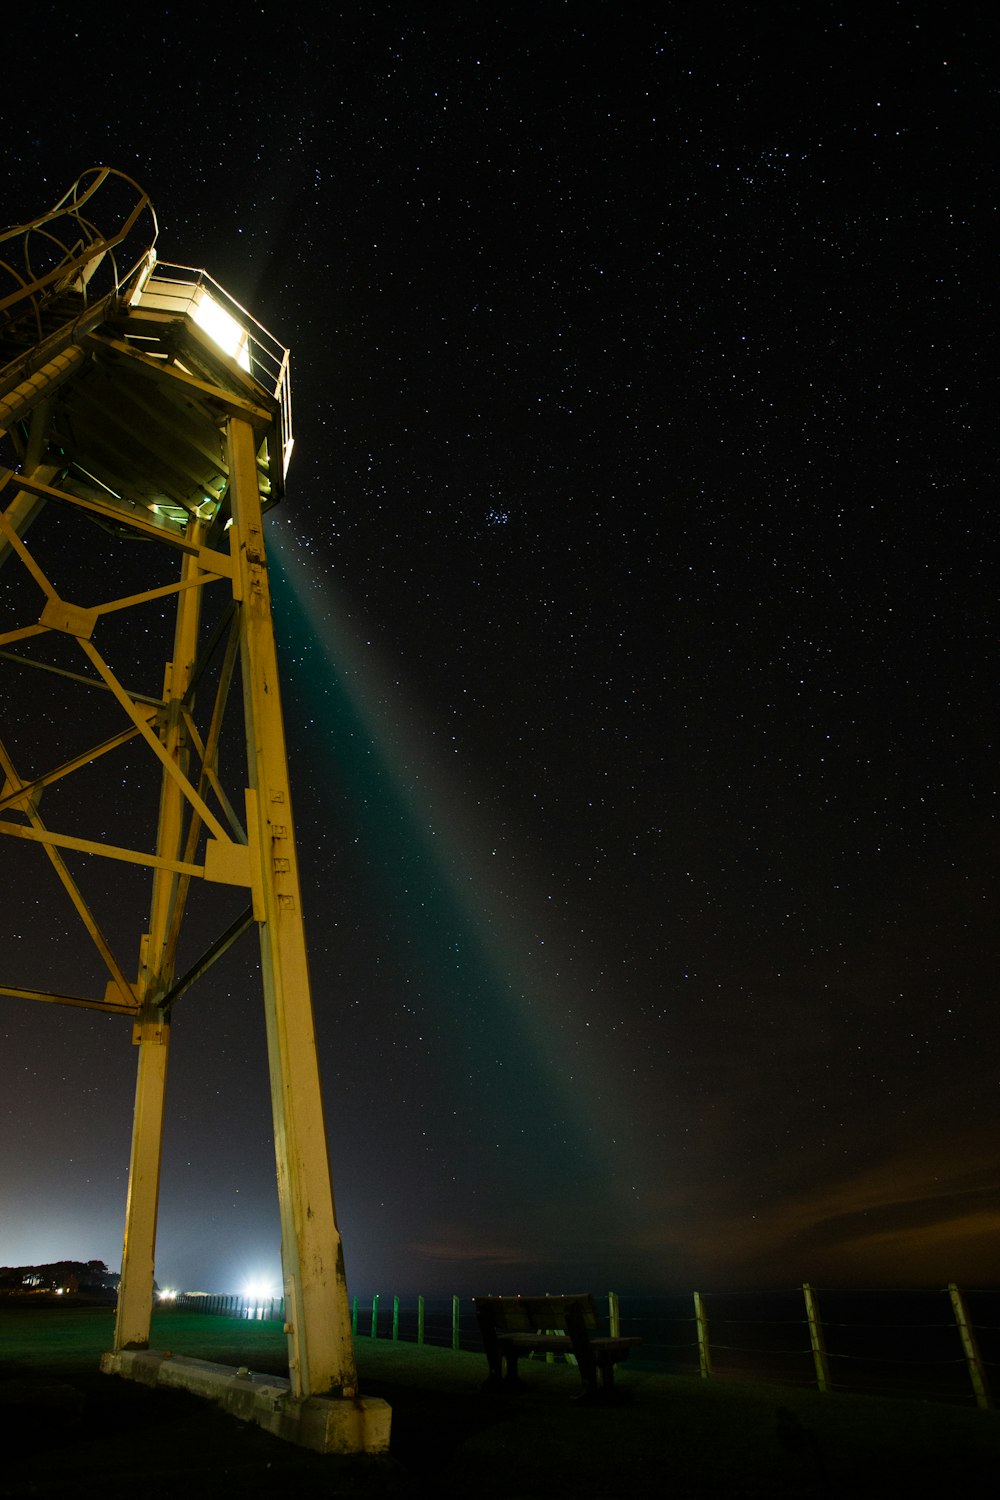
(635, 590)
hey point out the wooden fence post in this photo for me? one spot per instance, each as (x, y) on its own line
(970, 1346)
(395, 1320)
(420, 1320)
(354, 1316)
(816, 1339)
(375, 1316)
(701, 1326)
(454, 1322)
(614, 1316)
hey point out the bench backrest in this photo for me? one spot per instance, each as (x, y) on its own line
(533, 1314)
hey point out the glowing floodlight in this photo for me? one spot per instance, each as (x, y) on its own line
(222, 328)
(259, 1291)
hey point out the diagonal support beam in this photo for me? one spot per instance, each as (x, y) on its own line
(211, 956)
(209, 777)
(92, 846)
(110, 1007)
(81, 677)
(23, 634)
(142, 523)
(15, 543)
(29, 788)
(158, 593)
(24, 509)
(170, 766)
(208, 753)
(40, 832)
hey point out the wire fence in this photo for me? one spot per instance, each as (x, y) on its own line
(940, 1344)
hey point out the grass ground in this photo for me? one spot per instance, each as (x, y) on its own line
(68, 1431)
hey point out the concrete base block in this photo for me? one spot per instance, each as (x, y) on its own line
(326, 1424)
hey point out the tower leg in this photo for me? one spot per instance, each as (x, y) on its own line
(152, 1032)
(320, 1351)
(135, 1289)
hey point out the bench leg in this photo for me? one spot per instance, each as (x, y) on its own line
(503, 1374)
(588, 1374)
(595, 1393)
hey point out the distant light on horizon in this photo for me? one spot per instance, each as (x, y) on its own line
(260, 1291)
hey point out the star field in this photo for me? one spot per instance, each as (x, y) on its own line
(636, 599)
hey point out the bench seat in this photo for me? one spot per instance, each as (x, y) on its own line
(513, 1326)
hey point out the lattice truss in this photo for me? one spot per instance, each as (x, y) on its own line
(77, 727)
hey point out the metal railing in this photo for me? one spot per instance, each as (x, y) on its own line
(176, 288)
(63, 249)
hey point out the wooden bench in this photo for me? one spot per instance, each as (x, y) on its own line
(512, 1326)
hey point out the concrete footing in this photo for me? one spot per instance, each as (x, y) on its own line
(326, 1424)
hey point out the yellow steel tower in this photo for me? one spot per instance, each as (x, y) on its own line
(140, 397)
